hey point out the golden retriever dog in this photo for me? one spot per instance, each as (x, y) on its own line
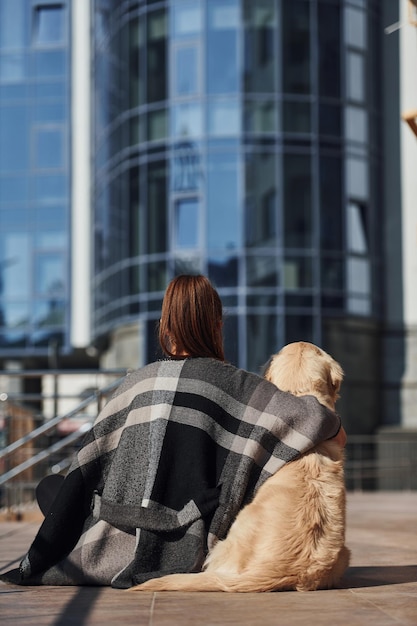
(292, 535)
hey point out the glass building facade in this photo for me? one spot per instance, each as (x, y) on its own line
(238, 139)
(34, 176)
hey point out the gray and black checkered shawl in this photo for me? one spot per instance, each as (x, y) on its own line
(163, 472)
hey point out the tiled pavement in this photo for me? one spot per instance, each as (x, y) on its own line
(379, 588)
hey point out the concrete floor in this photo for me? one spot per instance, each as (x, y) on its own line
(379, 588)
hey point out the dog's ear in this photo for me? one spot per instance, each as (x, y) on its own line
(336, 374)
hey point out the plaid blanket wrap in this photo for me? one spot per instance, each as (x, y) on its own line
(166, 467)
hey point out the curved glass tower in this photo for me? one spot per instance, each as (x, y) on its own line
(238, 139)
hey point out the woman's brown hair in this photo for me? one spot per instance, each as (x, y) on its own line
(191, 319)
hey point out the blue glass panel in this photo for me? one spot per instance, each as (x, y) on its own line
(15, 314)
(49, 148)
(187, 222)
(50, 63)
(13, 23)
(56, 89)
(13, 67)
(51, 218)
(222, 269)
(187, 120)
(186, 19)
(49, 112)
(224, 116)
(223, 214)
(52, 239)
(13, 92)
(13, 189)
(223, 66)
(50, 274)
(49, 313)
(15, 264)
(14, 138)
(186, 70)
(12, 218)
(49, 24)
(51, 188)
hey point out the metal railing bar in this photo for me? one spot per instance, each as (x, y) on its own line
(50, 424)
(41, 456)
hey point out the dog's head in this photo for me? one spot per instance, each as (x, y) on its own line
(304, 369)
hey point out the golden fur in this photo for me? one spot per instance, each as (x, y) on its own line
(291, 536)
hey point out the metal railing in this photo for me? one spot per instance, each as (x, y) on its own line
(44, 449)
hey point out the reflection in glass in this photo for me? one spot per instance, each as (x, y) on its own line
(12, 219)
(49, 112)
(136, 83)
(224, 117)
(355, 27)
(186, 19)
(186, 70)
(157, 207)
(330, 189)
(332, 273)
(330, 119)
(296, 47)
(329, 49)
(262, 271)
(223, 214)
(298, 272)
(13, 23)
(357, 179)
(223, 75)
(355, 76)
(52, 239)
(260, 116)
(296, 117)
(358, 285)
(297, 201)
(49, 274)
(49, 148)
(13, 189)
(156, 57)
(51, 188)
(15, 314)
(186, 228)
(262, 339)
(356, 124)
(186, 168)
(357, 228)
(260, 71)
(15, 264)
(231, 335)
(13, 67)
(187, 120)
(261, 221)
(222, 269)
(14, 138)
(49, 24)
(50, 63)
(298, 328)
(157, 125)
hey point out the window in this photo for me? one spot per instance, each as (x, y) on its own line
(49, 148)
(49, 24)
(355, 76)
(223, 74)
(186, 70)
(186, 223)
(297, 201)
(357, 228)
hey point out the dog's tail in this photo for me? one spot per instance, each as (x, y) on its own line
(207, 581)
